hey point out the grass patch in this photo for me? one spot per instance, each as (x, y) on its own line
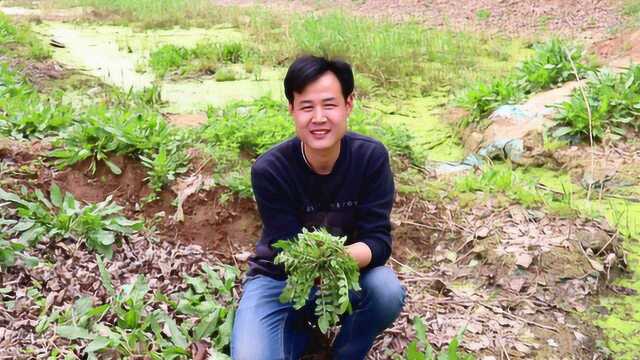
(204, 58)
(406, 56)
(18, 40)
(254, 127)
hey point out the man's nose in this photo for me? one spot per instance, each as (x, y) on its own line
(318, 115)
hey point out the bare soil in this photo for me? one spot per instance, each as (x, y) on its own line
(590, 20)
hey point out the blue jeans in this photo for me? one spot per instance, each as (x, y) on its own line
(265, 329)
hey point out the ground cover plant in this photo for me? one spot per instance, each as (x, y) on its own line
(29, 218)
(450, 353)
(318, 255)
(551, 64)
(26, 114)
(134, 322)
(610, 103)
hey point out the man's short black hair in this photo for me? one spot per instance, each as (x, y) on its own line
(307, 69)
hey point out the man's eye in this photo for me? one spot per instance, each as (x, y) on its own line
(306, 108)
(329, 106)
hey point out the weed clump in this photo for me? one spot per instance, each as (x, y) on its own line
(451, 353)
(550, 65)
(318, 255)
(203, 58)
(24, 113)
(611, 105)
(56, 217)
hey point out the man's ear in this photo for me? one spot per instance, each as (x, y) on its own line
(290, 109)
(349, 103)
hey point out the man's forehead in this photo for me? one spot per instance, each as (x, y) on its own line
(325, 88)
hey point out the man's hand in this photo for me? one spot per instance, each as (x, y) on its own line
(360, 252)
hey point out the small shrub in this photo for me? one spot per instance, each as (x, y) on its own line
(205, 58)
(168, 58)
(226, 74)
(550, 65)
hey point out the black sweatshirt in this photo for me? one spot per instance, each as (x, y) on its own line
(354, 200)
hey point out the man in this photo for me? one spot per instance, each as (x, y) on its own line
(324, 177)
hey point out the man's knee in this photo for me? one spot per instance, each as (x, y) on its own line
(383, 288)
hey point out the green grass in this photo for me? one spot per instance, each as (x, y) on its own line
(406, 56)
(204, 58)
(393, 56)
(18, 40)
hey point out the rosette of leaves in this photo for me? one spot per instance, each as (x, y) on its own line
(318, 255)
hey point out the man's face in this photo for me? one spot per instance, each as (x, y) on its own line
(320, 112)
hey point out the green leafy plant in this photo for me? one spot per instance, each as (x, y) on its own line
(24, 113)
(318, 255)
(164, 166)
(104, 132)
(551, 64)
(502, 179)
(451, 353)
(610, 102)
(133, 323)
(60, 216)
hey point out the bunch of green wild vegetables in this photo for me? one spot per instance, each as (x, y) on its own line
(134, 323)
(30, 217)
(319, 255)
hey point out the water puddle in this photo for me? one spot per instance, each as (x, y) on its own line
(117, 55)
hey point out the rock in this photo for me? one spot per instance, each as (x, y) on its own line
(594, 239)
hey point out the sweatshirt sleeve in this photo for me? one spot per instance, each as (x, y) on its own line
(373, 224)
(278, 214)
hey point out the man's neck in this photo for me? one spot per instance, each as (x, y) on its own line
(322, 161)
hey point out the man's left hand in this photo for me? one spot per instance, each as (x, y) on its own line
(360, 252)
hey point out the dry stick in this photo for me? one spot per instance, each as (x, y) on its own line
(530, 322)
(607, 244)
(233, 256)
(421, 225)
(586, 102)
(410, 268)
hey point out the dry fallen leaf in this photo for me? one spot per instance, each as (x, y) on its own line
(524, 260)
